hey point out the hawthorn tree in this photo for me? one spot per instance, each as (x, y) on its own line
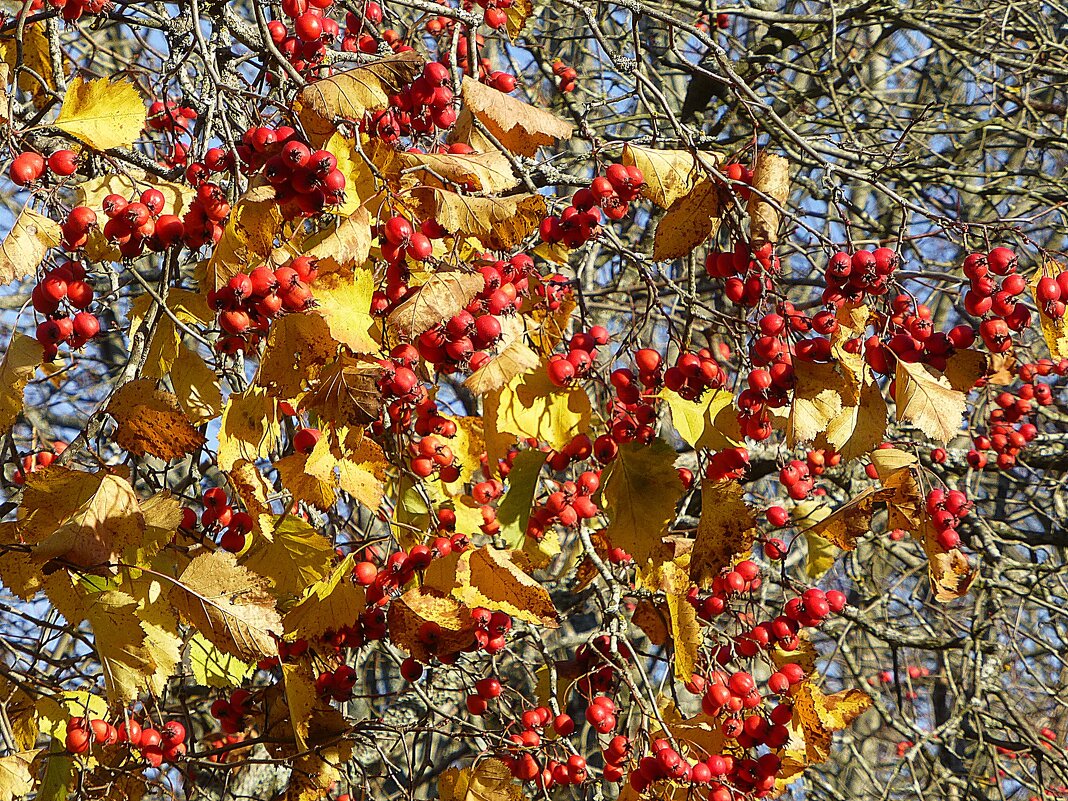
(511, 400)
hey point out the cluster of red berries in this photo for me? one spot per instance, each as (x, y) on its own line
(175, 121)
(220, 519)
(690, 377)
(28, 167)
(248, 302)
(139, 223)
(486, 690)
(727, 464)
(224, 743)
(305, 46)
(72, 10)
(155, 746)
(850, 277)
(912, 339)
(566, 506)
(336, 684)
(231, 712)
(494, 11)
(996, 303)
(566, 76)
(797, 478)
(947, 509)
(62, 296)
(747, 272)
(519, 755)
(580, 357)
(742, 578)
(1052, 294)
(423, 107)
(581, 221)
(32, 462)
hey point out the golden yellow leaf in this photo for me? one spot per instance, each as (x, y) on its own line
(305, 488)
(298, 346)
(357, 469)
(102, 113)
(726, 528)
(418, 606)
(16, 775)
(771, 188)
(164, 348)
(291, 555)
(329, 603)
(359, 160)
(20, 363)
(36, 58)
(343, 247)
(818, 716)
(639, 492)
(531, 406)
(925, 398)
(495, 579)
(518, 126)
(820, 552)
(249, 428)
(498, 223)
(686, 632)
(345, 304)
(351, 94)
(229, 604)
(212, 667)
(860, 426)
(514, 359)
(475, 172)
(442, 296)
(163, 514)
(151, 421)
(21, 713)
(818, 394)
(196, 386)
(1054, 331)
(252, 489)
(549, 327)
(852, 520)
(711, 421)
(301, 699)
(699, 735)
(669, 174)
(689, 221)
(26, 244)
(517, 14)
(346, 392)
(247, 239)
(513, 510)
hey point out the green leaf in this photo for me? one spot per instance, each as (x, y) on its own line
(513, 512)
(710, 422)
(215, 668)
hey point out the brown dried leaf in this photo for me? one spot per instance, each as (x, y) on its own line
(487, 780)
(727, 528)
(926, 399)
(418, 606)
(26, 244)
(152, 421)
(771, 179)
(951, 574)
(496, 579)
(346, 393)
(518, 126)
(351, 94)
(690, 220)
(499, 223)
(442, 296)
(669, 174)
(851, 520)
(965, 368)
(475, 172)
(653, 619)
(229, 604)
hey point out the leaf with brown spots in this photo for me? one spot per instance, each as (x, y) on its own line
(152, 421)
(727, 527)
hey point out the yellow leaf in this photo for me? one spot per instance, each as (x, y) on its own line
(163, 514)
(966, 368)
(102, 113)
(441, 297)
(26, 244)
(669, 174)
(475, 172)
(131, 181)
(851, 520)
(164, 348)
(359, 469)
(514, 508)
(229, 604)
(329, 603)
(341, 248)
(196, 386)
(818, 399)
(36, 56)
(247, 239)
(345, 304)
(492, 578)
(151, 421)
(249, 428)
(358, 161)
(925, 398)
(640, 489)
(1054, 331)
(550, 326)
(418, 606)
(860, 426)
(304, 488)
(726, 528)
(518, 126)
(292, 556)
(351, 94)
(771, 188)
(212, 667)
(711, 421)
(821, 552)
(21, 713)
(16, 776)
(298, 346)
(513, 359)
(20, 362)
(690, 220)
(685, 630)
(897, 471)
(818, 716)
(486, 780)
(301, 699)
(516, 16)
(498, 223)
(531, 406)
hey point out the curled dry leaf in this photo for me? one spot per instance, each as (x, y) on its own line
(152, 421)
(26, 244)
(639, 492)
(442, 296)
(349, 95)
(102, 113)
(852, 520)
(20, 363)
(419, 606)
(966, 368)
(726, 528)
(346, 392)
(486, 780)
(229, 604)
(927, 399)
(771, 180)
(518, 126)
(475, 172)
(951, 574)
(689, 221)
(498, 223)
(818, 716)
(496, 579)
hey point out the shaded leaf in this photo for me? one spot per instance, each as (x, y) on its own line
(771, 179)
(249, 428)
(346, 392)
(438, 299)
(852, 520)
(196, 386)
(817, 400)
(711, 421)
(291, 556)
(513, 511)
(20, 363)
(514, 359)
(669, 174)
(496, 580)
(329, 603)
(26, 244)
(419, 606)
(689, 221)
(298, 346)
(499, 223)
(727, 528)
(151, 421)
